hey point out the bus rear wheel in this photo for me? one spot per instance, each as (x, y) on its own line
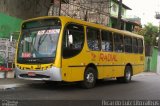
(127, 75)
(89, 78)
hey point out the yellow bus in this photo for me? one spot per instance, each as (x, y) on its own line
(71, 50)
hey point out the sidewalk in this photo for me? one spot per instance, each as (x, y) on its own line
(147, 74)
(12, 80)
(12, 83)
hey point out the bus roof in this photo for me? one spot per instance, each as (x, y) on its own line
(69, 19)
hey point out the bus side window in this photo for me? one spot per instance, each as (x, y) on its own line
(73, 40)
(140, 46)
(128, 44)
(93, 39)
(107, 41)
(118, 43)
(135, 45)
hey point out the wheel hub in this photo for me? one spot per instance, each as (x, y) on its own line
(90, 77)
(128, 75)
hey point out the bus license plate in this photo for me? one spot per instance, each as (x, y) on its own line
(31, 74)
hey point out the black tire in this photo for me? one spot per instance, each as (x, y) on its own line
(127, 75)
(90, 77)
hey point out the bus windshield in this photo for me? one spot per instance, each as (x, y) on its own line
(38, 41)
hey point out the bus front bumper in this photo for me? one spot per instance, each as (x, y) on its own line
(51, 74)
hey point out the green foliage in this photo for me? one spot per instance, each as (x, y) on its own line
(150, 32)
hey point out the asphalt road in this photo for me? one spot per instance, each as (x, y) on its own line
(145, 86)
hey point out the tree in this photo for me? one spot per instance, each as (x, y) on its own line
(150, 33)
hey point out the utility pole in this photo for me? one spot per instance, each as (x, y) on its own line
(158, 59)
(119, 15)
(60, 2)
(86, 16)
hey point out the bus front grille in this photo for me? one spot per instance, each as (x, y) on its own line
(36, 76)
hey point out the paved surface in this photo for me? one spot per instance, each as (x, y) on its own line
(13, 92)
(143, 86)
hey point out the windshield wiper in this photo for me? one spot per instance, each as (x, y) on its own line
(45, 35)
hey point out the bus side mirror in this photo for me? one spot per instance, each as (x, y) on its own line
(28, 39)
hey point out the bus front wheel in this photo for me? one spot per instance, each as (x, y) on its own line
(89, 78)
(127, 75)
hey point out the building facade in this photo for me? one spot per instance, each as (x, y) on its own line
(129, 24)
(103, 12)
(96, 11)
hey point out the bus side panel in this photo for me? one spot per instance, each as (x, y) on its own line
(118, 71)
(66, 72)
(105, 72)
(73, 68)
(119, 65)
(105, 69)
(139, 64)
(77, 74)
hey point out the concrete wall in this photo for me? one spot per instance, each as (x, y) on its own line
(151, 61)
(154, 59)
(25, 9)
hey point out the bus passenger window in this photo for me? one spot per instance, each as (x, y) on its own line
(118, 43)
(140, 46)
(93, 39)
(107, 41)
(73, 40)
(128, 44)
(135, 45)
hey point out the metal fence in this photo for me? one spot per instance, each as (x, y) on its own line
(7, 51)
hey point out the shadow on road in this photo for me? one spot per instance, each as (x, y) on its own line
(75, 86)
